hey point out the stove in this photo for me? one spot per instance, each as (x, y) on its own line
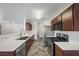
(59, 38)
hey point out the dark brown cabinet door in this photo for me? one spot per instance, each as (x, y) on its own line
(28, 26)
(58, 18)
(55, 21)
(29, 44)
(61, 52)
(58, 51)
(52, 25)
(76, 17)
(67, 20)
(8, 53)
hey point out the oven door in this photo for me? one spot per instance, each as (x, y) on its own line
(50, 48)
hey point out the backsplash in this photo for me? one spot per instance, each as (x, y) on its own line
(49, 33)
(74, 36)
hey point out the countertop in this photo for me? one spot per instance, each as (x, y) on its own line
(68, 45)
(11, 44)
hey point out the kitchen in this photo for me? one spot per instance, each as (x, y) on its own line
(39, 29)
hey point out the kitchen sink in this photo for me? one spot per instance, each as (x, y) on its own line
(22, 38)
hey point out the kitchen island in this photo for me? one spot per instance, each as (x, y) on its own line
(13, 47)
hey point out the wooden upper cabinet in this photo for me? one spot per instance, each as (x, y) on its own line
(67, 20)
(58, 19)
(55, 21)
(52, 25)
(76, 17)
(28, 26)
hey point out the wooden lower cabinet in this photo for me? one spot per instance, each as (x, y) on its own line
(3, 53)
(60, 52)
(29, 44)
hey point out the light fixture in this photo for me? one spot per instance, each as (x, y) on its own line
(13, 24)
(38, 13)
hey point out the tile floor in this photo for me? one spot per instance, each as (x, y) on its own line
(38, 49)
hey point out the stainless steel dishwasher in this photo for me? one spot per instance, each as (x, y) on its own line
(21, 51)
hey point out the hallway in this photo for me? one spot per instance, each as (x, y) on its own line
(38, 49)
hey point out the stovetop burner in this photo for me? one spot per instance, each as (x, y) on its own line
(58, 39)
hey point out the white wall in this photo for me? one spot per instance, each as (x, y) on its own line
(34, 29)
(38, 27)
(42, 27)
(41, 30)
(74, 36)
(8, 28)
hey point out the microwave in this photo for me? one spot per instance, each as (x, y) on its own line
(57, 26)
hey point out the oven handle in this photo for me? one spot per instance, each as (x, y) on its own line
(51, 43)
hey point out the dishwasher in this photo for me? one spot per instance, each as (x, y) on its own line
(50, 47)
(21, 51)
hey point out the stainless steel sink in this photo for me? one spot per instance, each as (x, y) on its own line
(22, 38)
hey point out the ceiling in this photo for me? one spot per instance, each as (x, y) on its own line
(17, 12)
